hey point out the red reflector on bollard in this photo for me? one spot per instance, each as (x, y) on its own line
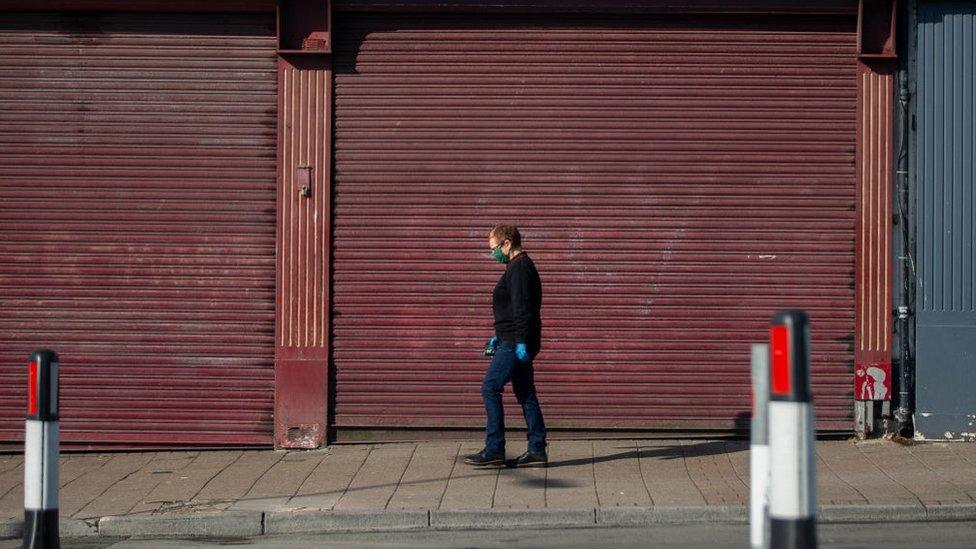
(779, 346)
(32, 388)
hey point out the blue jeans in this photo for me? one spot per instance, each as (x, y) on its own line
(505, 366)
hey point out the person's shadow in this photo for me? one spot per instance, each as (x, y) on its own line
(708, 448)
(673, 451)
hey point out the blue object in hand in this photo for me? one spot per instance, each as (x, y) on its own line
(522, 352)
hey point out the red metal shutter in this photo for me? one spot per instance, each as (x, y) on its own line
(677, 180)
(137, 179)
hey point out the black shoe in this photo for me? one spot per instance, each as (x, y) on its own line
(482, 458)
(531, 459)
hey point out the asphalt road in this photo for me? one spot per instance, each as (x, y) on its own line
(943, 535)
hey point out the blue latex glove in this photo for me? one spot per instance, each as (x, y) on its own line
(522, 352)
(493, 341)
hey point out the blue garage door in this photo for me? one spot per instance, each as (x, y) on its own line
(946, 321)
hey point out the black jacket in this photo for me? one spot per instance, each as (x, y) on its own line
(517, 303)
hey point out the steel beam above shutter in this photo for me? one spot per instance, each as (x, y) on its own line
(764, 7)
(137, 213)
(677, 180)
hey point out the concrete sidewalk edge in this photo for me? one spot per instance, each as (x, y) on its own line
(226, 523)
(293, 522)
(68, 528)
(475, 519)
(256, 523)
(637, 516)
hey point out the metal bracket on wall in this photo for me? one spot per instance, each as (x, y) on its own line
(303, 178)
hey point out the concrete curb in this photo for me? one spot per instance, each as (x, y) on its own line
(871, 513)
(510, 518)
(228, 523)
(256, 523)
(630, 516)
(77, 528)
(952, 511)
(10, 529)
(67, 528)
(287, 522)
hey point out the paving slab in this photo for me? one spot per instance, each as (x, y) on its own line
(237, 479)
(280, 482)
(833, 490)
(965, 451)
(425, 480)
(944, 462)
(666, 477)
(75, 466)
(9, 461)
(903, 467)
(12, 501)
(378, 478)
(11, 489)
(711, 470)
(470, 487)
(80, 493)
(523, 488)
(178, 488)
(737, 452)
(330, 479)
(570, 478)
(72, 466)
(126, 493)
(617, 475)
(851, 465)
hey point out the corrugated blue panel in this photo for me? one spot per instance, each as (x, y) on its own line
(946, 321)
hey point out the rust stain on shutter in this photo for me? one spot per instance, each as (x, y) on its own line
(677, 179)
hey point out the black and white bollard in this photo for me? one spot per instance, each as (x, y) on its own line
(41, 453)
(759, 448)
(792, 522)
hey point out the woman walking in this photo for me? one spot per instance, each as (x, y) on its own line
(516, 305)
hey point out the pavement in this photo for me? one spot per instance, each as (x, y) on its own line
(426, 486)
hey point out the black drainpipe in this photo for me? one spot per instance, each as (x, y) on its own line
(905, 311)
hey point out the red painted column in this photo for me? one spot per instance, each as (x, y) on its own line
(875, 167)
(303, 226)
(875, 185)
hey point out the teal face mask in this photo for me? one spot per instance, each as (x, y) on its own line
(499, 255)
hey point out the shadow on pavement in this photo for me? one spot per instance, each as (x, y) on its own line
(709, 448)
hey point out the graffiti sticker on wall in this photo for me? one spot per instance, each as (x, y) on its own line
(872, 382)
